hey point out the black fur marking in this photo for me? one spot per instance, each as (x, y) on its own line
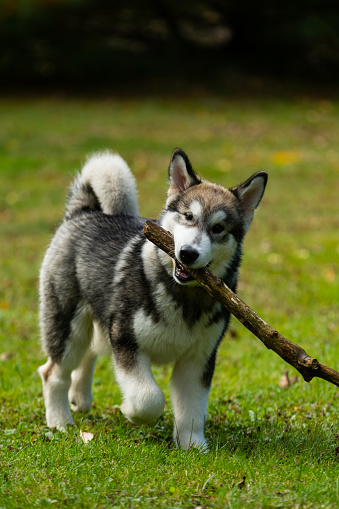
(221, 313)
(194, 301)
(231, 276)
(125, 348)
(145, 292)
(173, 206)
(208, 373)
(93, 202)
(81, 197)
(58, 320)
(100, 242)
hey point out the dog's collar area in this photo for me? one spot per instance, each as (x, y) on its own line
(180, 273)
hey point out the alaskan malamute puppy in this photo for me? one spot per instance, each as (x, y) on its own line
(105, 287)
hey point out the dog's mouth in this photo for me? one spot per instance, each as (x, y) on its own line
(181, 274)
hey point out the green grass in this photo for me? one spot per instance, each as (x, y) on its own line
(269, 447)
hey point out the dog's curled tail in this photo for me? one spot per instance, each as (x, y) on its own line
(105, 183)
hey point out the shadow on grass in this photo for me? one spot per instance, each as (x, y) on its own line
(285, 437)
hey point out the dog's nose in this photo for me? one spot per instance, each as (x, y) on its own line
(188, 255)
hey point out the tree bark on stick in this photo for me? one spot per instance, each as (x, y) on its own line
(308, 367)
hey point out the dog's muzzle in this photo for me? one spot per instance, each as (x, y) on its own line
(187, 255)
(181, 274)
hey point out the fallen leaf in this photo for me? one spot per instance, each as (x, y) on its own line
(330, 274)
(86, 436)
(233, 333)
(241, 484)
(286, 381)
(6, 356)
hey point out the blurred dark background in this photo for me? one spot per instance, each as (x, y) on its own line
(133, 45)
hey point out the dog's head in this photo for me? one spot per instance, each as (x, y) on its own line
(207, 221)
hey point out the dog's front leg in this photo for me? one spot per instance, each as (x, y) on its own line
(189, 397)
(143, 400)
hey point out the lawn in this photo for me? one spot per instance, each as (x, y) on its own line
(269, 446)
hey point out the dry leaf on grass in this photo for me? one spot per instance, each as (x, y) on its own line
(6, 356)
(240, 484)
(86, 436)
(286, 381)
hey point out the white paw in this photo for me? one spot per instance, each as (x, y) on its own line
(59, 421)
(187, 440)
(80, 402)
(144, 409)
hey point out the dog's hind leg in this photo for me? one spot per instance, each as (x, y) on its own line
(143, 400)
(56, 373)
(80, 392)
(56, 381)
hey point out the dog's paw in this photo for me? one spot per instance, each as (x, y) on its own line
(58, 422)
(63, 428)
(80, 394)
(187, 441)
(133, 416)
(79, 402)
(145, 414)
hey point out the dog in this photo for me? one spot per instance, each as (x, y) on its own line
(105, 288)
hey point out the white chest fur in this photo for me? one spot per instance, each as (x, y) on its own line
(169, 338)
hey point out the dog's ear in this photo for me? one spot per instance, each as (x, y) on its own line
(250, 193)
(180, 173)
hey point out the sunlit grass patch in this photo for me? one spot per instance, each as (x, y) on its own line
(270, 446)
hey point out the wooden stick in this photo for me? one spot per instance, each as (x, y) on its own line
(309, 367)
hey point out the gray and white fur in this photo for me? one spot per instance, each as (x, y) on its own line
(105, 288)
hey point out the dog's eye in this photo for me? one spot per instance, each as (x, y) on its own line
(189, 216)
(217, 228)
